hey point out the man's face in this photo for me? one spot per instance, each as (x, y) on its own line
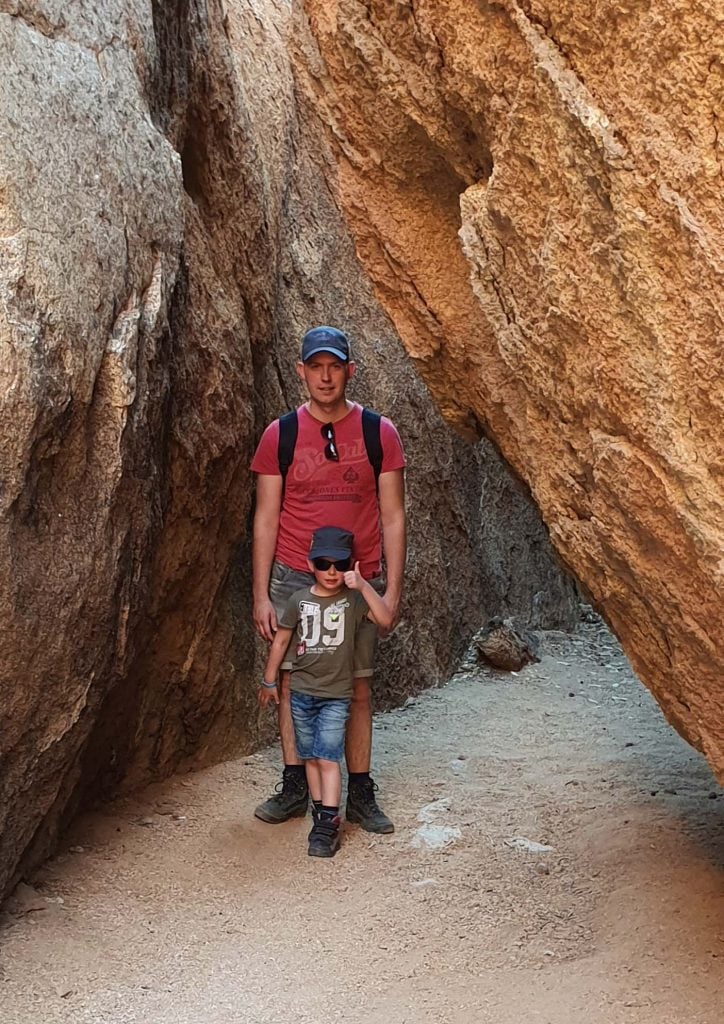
(326, 377)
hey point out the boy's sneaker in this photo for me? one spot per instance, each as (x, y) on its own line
(315, 819)
(324, 837)
(363, 809)
(289, 801)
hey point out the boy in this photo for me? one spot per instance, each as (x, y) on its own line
(326, 617)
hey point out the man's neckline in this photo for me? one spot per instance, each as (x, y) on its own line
(351, 408)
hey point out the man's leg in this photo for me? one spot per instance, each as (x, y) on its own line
(286, 723)
(362, 807)
(292, 799)
(293, 794)
(358, 741)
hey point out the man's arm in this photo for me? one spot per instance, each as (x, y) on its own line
(264, 541)
(394, 535)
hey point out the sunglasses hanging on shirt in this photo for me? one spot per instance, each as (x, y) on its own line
(330, 451)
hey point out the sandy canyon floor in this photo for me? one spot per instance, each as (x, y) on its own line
(178, 907)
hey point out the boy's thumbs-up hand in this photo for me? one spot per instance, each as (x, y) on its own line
(353, 578)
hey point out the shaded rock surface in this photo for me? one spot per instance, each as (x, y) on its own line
(534, 189)
(167, 231)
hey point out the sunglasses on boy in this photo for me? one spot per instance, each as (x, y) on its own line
(340, 564)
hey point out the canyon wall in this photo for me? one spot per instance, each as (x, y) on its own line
(534, 189)
(169, 226)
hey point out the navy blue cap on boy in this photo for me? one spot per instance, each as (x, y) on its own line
(331, 542)
(325, 339)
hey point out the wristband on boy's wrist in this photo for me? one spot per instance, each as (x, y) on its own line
(268, 686)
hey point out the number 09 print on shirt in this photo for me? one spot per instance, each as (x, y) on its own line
(322, 629)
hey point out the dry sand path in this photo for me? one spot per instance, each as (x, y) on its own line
(211, 917)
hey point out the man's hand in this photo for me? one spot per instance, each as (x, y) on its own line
(393, 603)
(268, 695)
(265, 619)
(353, 578)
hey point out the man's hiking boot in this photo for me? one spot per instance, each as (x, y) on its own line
(324, 837)
(289, 801)
(362, 808)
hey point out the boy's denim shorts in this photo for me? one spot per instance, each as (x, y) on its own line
(285, 581)
(319, 725)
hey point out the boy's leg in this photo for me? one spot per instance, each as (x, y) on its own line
(314, 780)
(362, 807)
(328, 749)
(331, 784)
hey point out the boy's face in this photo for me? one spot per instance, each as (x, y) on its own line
(328, 573)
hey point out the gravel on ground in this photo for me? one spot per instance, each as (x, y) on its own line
(177, 906)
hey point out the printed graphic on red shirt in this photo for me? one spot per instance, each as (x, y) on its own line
(323, 492)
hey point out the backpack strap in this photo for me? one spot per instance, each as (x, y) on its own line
(371, 433)
(288, 430)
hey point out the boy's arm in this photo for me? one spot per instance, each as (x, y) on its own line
(380, 611)
(268, 689)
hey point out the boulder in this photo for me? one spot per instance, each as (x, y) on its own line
(504, 645)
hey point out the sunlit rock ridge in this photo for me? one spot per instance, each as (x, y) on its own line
(535, 191)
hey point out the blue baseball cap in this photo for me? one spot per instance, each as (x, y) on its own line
(331, 542)
(325, 339)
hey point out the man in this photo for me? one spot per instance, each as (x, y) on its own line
(330, 481)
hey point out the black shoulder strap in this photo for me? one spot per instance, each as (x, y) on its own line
(371, 434)
(288, 430)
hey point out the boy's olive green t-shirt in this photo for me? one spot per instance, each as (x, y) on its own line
(322, 651)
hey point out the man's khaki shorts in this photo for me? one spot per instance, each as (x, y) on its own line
(285, 581)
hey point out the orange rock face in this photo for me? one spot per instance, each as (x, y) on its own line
(535, 190)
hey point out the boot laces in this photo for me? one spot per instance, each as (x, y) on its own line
(364, 794)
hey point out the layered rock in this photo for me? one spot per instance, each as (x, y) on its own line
(534, 189)
(167, 233)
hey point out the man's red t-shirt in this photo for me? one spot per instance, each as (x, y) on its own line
(321, 492)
